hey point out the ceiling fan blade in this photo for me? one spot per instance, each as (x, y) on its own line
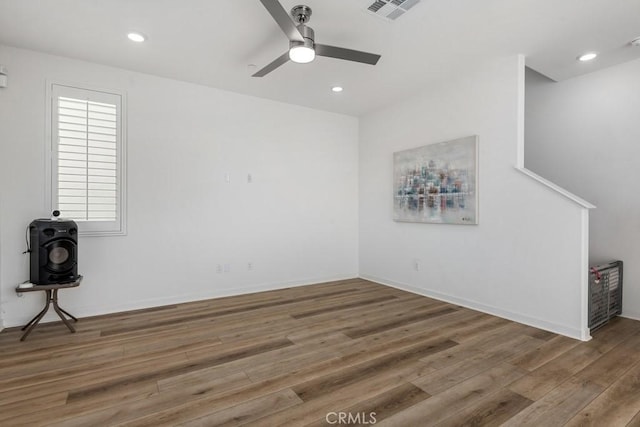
(283, 19)
(348, 54)
(273, 65)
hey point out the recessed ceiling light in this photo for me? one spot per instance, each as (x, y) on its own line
(136, 37)
(337, 89)
(587, 56)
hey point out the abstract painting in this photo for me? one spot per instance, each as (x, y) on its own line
(437, 183)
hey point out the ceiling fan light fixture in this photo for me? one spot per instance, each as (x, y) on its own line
(302, 53)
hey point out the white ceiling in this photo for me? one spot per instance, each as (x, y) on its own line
(211, 42)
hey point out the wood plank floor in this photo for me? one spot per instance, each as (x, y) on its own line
(342, 353)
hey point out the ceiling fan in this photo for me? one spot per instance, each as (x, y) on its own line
(302, 45)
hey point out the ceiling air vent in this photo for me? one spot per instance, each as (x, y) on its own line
(390, 9)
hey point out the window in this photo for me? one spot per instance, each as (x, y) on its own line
(87, 158)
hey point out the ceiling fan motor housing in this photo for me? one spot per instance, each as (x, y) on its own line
(309, 37)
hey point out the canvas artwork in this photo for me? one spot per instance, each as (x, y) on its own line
(437, 183)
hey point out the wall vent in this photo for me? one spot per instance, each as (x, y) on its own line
(390, 10)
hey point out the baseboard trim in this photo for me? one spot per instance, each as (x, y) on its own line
(582, 335)
(630, 315)
(89, 311)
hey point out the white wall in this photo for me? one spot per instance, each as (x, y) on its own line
(1, 311)
(526, 260)
(584, 134)
(297, 221)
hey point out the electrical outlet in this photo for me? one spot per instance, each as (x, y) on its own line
(249, 178)
(416, 264)
(219, 268)
(249, 266)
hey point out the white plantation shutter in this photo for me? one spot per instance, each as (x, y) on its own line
(87, 158)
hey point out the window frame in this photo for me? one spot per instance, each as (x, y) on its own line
(55, 89)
